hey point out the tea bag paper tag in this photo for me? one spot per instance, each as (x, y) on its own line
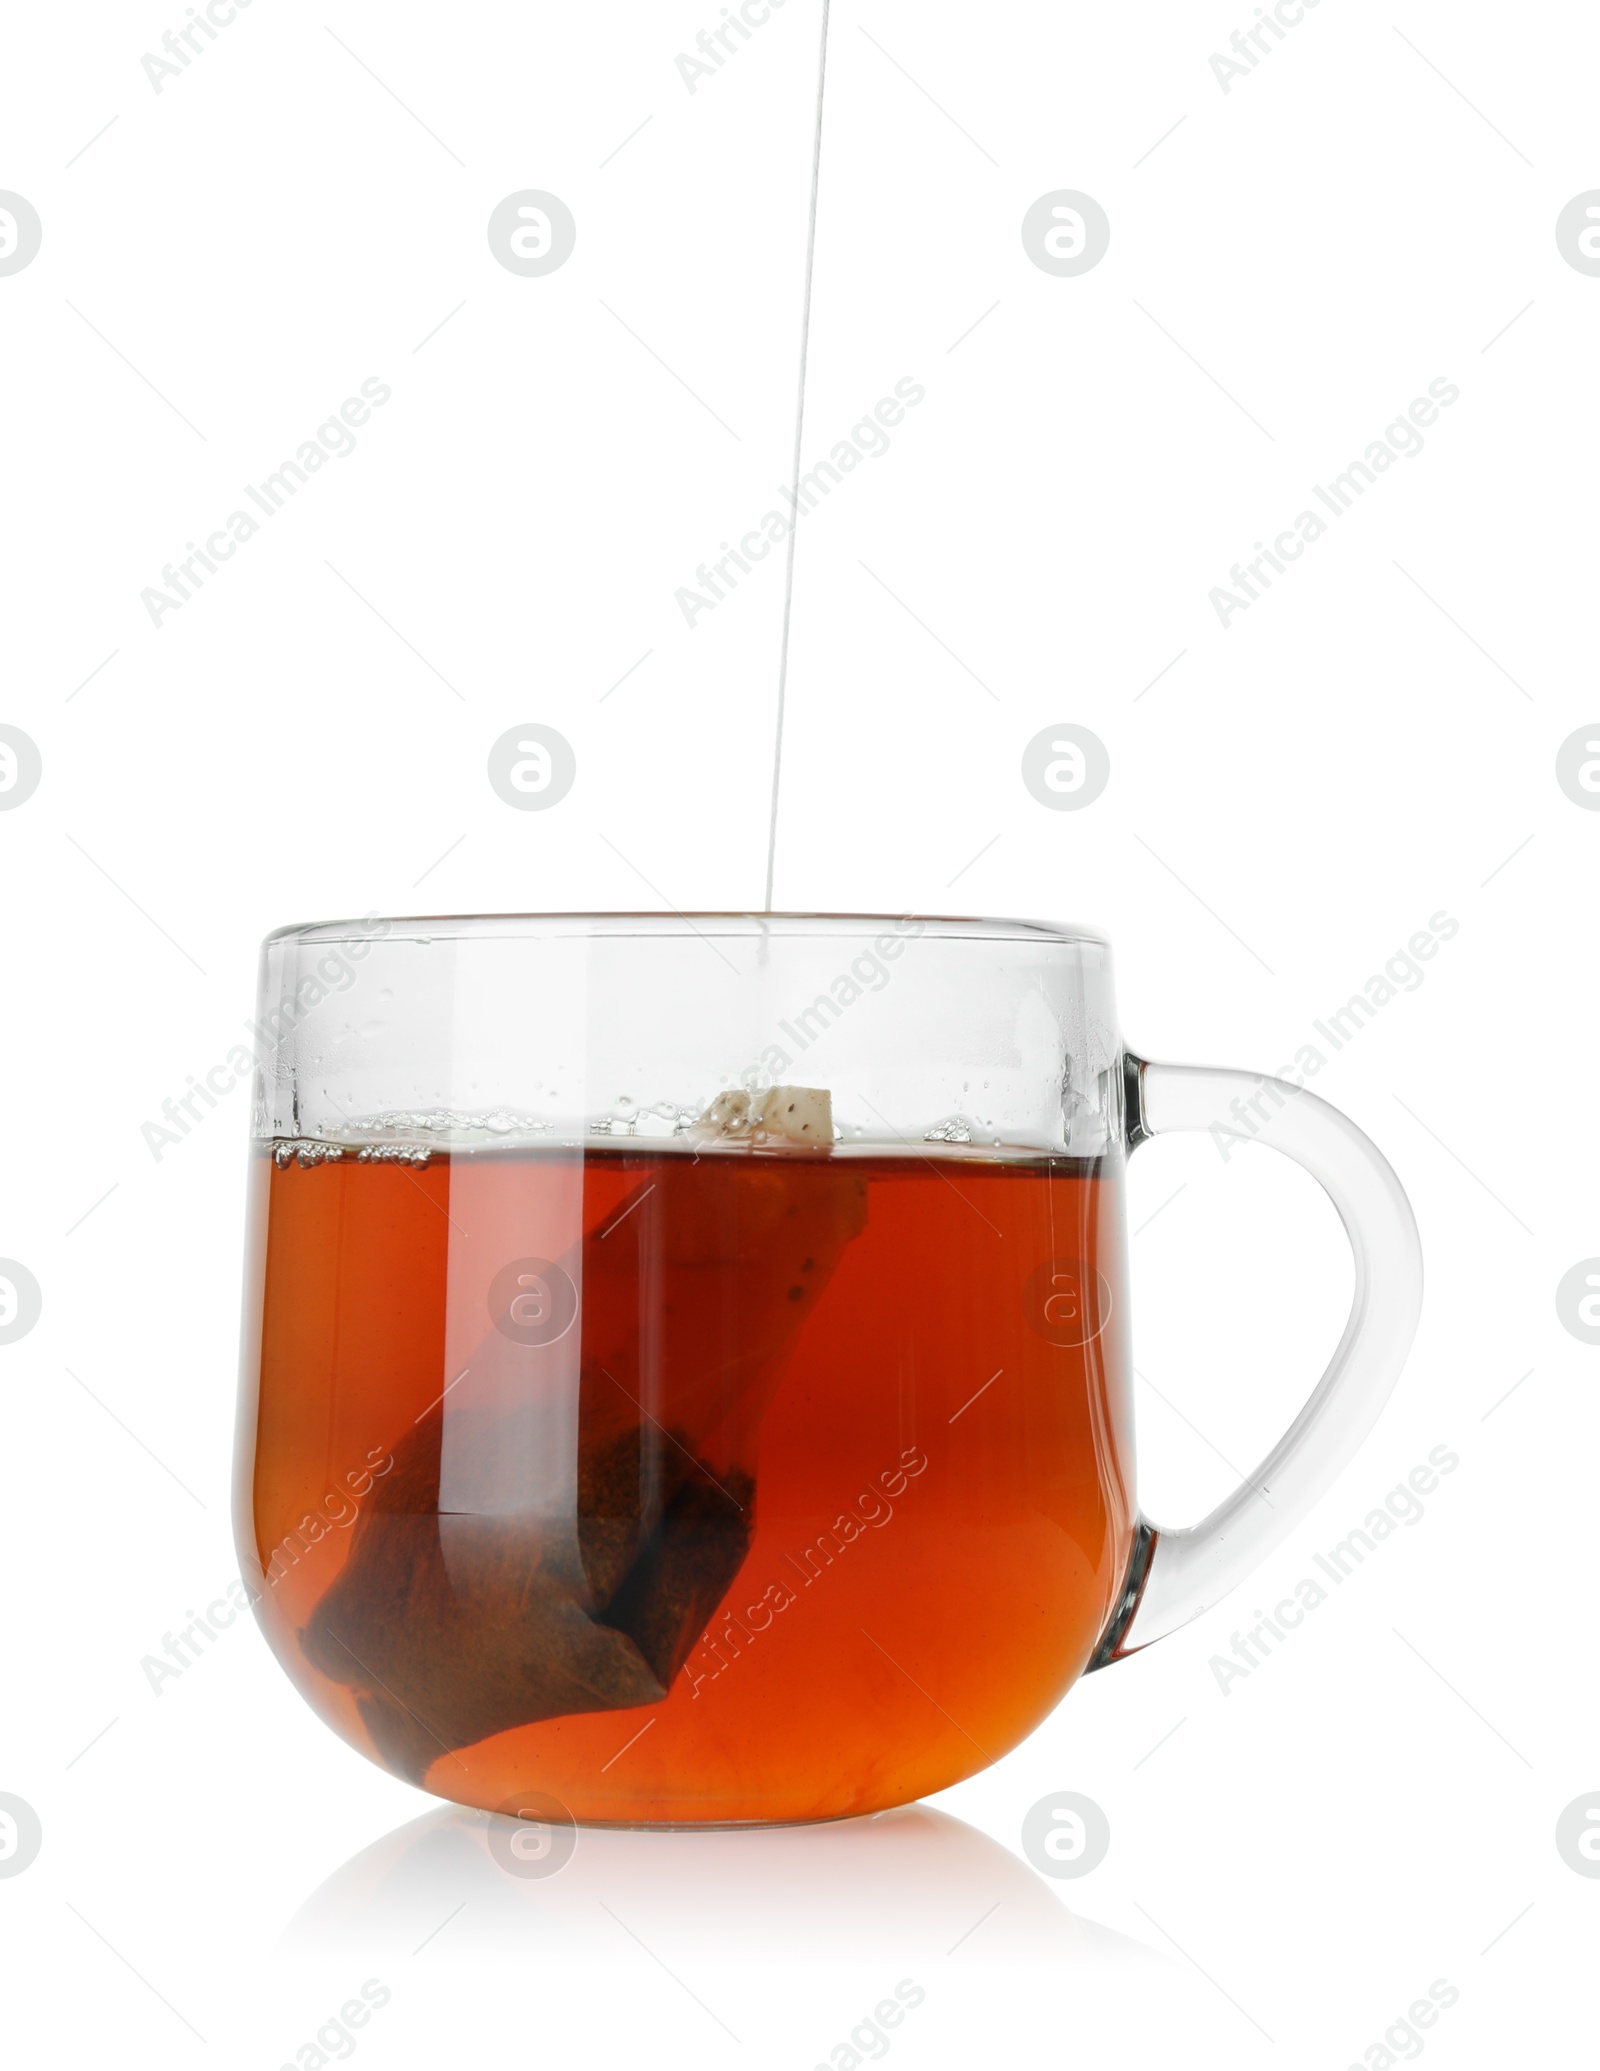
(799, 1115)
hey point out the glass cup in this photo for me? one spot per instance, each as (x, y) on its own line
(686, 1367)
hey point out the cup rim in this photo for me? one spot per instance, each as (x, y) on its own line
(624, 924)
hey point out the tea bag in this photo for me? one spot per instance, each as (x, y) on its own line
(531, 1555)
(453, 1626)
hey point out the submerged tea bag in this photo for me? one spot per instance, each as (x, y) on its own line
(452, 1626)
(553, 1540)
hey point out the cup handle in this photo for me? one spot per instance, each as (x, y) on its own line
(1174, 1575)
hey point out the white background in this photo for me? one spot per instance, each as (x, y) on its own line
(1292, 1863)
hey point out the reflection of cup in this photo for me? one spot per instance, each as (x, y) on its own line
(688, 1376)
(873, 1894)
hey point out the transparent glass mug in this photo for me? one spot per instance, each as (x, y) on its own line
(686, 1371)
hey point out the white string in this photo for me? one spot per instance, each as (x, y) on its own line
(799, 428)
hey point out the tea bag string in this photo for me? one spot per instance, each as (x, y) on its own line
(799, 429)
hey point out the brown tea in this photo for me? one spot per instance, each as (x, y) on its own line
(733, 1486)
